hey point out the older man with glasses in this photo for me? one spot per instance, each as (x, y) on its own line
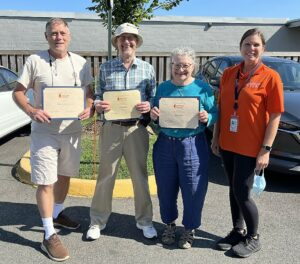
(126, 138)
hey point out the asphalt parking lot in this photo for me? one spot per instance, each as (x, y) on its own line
(121, 242)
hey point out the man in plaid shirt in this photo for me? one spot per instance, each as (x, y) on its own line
(128, 138)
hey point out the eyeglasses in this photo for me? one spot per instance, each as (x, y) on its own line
(181, 66)
(128, 37)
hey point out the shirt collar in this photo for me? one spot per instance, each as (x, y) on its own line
(120, 62)
(245, 75)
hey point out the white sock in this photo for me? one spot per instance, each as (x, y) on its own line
(48, 227)
(57, 209)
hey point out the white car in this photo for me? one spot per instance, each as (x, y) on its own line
(11, 116)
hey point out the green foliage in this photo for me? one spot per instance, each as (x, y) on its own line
(132, 11)
(89, 162)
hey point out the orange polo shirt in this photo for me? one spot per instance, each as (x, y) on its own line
(258, 98)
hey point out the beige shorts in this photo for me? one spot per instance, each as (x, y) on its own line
(53, 155)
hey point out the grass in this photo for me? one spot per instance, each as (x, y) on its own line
(89, 163)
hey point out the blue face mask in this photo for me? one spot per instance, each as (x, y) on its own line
(259, 183)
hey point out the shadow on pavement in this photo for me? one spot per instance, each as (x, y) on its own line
(124, 226)
(22, 132)
(119, 226)
(19, 214)
(11, 237)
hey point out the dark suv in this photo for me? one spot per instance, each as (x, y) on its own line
(285, 155)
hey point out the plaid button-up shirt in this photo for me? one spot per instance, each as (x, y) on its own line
(114, 76)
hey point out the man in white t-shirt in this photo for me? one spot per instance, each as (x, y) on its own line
(55, 143)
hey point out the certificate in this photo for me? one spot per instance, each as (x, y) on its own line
(64, 102)
(179, 112)
(122, 104)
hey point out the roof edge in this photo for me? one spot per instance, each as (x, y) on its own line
(293, 23)
(185, 19)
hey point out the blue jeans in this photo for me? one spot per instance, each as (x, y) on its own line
(181, 163)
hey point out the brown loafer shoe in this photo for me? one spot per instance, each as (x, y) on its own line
(55, 249)
(64, 221)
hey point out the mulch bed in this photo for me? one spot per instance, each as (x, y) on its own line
(91, 128)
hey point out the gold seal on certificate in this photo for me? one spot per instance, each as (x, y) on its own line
(179, 112)
(122, 104)
(64, 102)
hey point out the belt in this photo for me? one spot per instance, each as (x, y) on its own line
(125, 123)
(177, 138)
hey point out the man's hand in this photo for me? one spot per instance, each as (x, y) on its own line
(87, 113)
(39, 115)
(101, 106)
(143, 107)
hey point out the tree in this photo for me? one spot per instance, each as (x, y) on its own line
(132, 11)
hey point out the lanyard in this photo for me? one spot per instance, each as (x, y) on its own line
(237, 91)
(71, 61)
(179, 91)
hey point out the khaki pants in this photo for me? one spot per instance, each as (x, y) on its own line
(133, 143)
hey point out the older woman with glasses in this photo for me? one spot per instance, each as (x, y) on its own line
(180, 155)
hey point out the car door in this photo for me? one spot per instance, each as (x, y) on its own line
(213, 73)
(216, 79)
(11, 116)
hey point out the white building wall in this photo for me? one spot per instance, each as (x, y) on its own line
(24, 30)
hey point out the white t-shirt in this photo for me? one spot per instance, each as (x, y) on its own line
(41, 70)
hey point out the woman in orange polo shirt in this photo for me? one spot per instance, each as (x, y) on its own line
(250, 104)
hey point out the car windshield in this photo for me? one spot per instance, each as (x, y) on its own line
(289, 73)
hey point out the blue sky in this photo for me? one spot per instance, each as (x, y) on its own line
(216, 8)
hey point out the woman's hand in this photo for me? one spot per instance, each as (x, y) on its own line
(203, 116)
(262, 160)
(154, 113)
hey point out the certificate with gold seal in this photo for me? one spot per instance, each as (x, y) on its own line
(64, 102)
(179, 112)
(122, 103)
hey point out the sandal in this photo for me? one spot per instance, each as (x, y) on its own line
(187, 238)
(169, 234)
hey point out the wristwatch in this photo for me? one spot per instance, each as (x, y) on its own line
(267, 148)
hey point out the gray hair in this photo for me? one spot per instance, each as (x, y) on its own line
(56, 20)
(184, 51)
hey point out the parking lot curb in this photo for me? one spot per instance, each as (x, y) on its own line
(83, 187)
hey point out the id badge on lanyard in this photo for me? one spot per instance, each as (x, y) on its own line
(234, 123)
(234, 120)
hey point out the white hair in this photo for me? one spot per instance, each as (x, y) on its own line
(184, 51)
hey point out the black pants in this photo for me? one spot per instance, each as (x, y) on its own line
(240, 172)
